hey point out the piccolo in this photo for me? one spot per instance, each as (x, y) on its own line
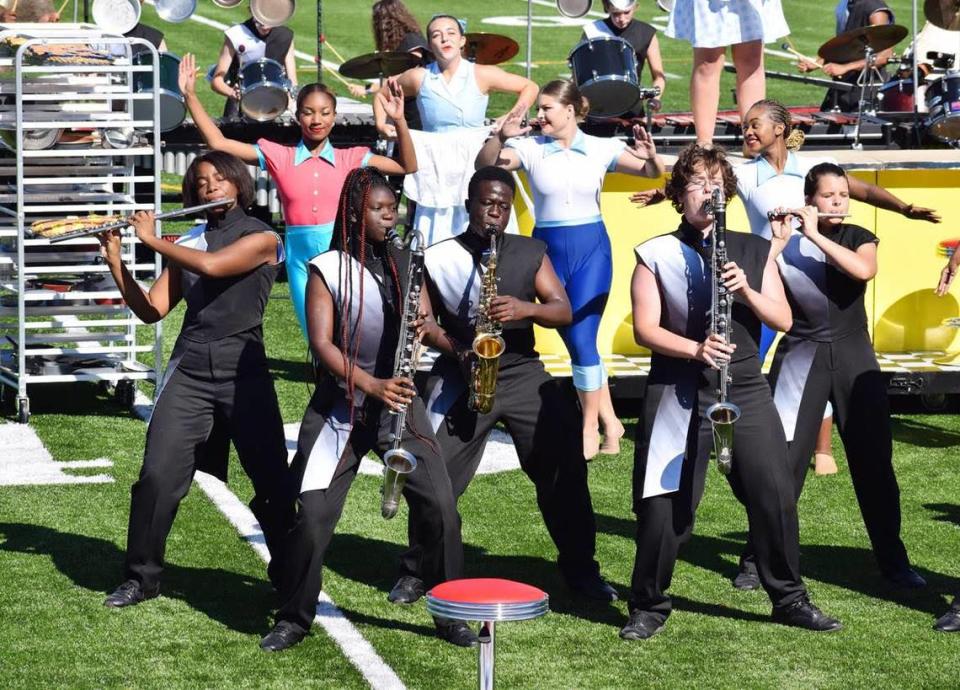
(125, 223)
(774, 215)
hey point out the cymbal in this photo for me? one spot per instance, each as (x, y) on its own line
(943, 13)
(849, 46)
(489, 49)
(374, 65)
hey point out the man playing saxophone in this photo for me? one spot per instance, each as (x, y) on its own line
(539, 414)
(671, 291)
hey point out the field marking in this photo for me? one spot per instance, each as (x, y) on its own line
(25, 461)
(354, 645)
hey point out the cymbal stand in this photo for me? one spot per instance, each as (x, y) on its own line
(869, 78)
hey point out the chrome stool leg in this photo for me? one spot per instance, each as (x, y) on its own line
(486, 654)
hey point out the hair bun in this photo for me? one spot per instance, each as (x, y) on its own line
(795, 139)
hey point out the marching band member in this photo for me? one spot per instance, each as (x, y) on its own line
(671, 293)
(641, 36)
(452, 95)
(224, 270)
(851, 15)
(530, 403)
(354, 311)
(710, 27)
(246, 43)
(566, 169)
(773, 178)
(828, 355)
(310, 175)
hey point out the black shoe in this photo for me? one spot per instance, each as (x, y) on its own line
(803, 614)
(283, 636)
(747, 579)
(129, 594)
(642, 626)
(594, 587)
(950, 621)
(905, 578)
(407, 590)
(455, 632)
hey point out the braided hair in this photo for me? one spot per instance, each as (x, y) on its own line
(778, 113)
(349, 237)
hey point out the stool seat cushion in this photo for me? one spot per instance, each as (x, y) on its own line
(487, 590)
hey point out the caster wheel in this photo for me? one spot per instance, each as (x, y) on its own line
(23, 411)
(125, 393)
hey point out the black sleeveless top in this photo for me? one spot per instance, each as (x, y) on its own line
(220, 307)
(277, 46)
(454, 278)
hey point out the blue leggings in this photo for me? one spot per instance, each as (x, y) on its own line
(303, 242)
(582, 258)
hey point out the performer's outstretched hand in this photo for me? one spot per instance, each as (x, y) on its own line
(187, 79)
(643, 146)
(920, 213)
(648, 197)
(391, 98)
(512, 126)
(946, 278)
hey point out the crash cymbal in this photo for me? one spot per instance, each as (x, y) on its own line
(848, 46)
(489, 49)
(943, 13)
(373, 65)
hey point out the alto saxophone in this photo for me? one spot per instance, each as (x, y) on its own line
(398, 461)
(722, 414)
(488, 345)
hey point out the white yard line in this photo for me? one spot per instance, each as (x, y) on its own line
(25, 462)
(353, 645)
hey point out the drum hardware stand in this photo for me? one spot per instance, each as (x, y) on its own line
(869, 76)
(916, 79)
(529, 37)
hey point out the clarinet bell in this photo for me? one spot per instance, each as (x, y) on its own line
(399, 463)
(722, 416)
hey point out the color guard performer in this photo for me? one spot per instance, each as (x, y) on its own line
(671, 294)
(537, 412)
(349, 413)
(224, 270)
(828, 355)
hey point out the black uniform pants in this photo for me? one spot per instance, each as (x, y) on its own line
(318, 511)
(760, 478)
(846, 373)
(545, 425)
(226, 382)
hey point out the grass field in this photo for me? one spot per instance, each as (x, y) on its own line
(61, 547)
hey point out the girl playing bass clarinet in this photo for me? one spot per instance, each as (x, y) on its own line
(354, 312)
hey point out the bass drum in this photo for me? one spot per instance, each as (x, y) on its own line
(943, 103)
(173, 110)
(896, 96)
(264, 90)
(605, 70)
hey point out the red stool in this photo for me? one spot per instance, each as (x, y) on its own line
(487, 600)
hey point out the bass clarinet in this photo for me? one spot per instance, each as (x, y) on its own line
(722, 414)
(398, 461)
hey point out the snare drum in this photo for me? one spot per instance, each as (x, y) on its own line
(605, 70)
(943, 102)
(173, 110)
(896, 96)
(264, 90)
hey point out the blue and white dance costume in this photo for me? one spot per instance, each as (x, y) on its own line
(566, 186)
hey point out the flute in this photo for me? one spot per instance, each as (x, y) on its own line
(774, 215)
(125, 223)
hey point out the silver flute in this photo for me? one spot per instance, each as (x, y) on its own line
(722, 414)
(774, 215)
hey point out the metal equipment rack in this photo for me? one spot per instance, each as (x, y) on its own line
(87, 333)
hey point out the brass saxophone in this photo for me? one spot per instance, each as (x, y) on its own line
(399, 462)
(488, 345)
(722, 414)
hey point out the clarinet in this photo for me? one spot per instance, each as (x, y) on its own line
(722, 414)
(398, 461)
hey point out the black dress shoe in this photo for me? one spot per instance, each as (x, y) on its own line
(803, 614)
(950, 621)
(594, 587)
(128, 594)
(455, 632)
(642, 625)
(747, 579)
(283, 636)
(905, 578)
(407, 590)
